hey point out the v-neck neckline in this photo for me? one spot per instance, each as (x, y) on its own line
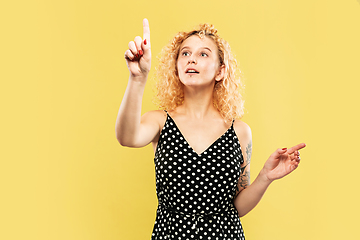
(187, 143)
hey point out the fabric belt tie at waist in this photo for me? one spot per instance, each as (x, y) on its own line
(196, 216)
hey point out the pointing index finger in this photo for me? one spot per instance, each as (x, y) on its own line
(146, 30)
(296, 147)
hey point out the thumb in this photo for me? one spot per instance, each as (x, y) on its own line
(278, 152)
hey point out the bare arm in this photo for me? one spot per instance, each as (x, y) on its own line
(280, 163)
(131, 129)
(244, 205)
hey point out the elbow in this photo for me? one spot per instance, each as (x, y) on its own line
(241, 214)
(121, 139)
(124, 141)
(240, 208)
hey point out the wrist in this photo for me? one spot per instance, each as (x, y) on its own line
(138, 78)
(139, 81)
(263, 177)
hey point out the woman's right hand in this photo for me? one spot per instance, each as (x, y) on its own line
(138, 56)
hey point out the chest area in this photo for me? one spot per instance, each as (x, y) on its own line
(173, 144)
(199, 137)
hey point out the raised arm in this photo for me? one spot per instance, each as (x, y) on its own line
(131, 129)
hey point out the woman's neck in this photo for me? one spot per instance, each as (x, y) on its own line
(198, 103)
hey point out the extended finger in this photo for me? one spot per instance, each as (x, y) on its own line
(146, 31)
(296, 148)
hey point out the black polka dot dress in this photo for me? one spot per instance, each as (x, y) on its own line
(196, 191)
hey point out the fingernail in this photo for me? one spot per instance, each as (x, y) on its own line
(137, 55)
(284, 148)
(140, 52)
(144, 41)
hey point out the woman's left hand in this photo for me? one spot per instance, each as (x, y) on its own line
(282, 162)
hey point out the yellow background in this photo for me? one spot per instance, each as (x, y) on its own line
(64, 176)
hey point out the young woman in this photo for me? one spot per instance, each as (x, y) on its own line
(202, 149)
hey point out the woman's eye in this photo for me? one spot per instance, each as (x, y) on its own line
(204, 54)
(185, 54)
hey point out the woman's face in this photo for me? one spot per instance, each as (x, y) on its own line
(198, 62)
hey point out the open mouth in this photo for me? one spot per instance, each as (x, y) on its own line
(191, 71)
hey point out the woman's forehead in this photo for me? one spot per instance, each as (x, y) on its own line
(196, 41)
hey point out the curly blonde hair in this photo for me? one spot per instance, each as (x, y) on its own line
(169, 89)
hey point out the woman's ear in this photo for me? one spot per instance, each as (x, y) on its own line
(221, 73)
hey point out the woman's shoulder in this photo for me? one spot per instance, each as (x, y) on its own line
(243, 131)
(156, 113)
(154, 116)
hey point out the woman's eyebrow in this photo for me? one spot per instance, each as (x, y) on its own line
(184, 48)
(207, 48)
(201, 48)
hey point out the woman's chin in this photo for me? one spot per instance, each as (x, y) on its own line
(193, 82)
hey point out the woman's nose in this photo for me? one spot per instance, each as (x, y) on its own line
(192, 60)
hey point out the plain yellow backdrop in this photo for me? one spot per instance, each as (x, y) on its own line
(64, 176)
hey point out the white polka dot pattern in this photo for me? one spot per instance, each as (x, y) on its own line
(195, 191)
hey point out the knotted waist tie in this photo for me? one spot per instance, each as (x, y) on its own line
(196, 216)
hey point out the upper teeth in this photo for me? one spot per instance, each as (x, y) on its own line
(192, 71)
